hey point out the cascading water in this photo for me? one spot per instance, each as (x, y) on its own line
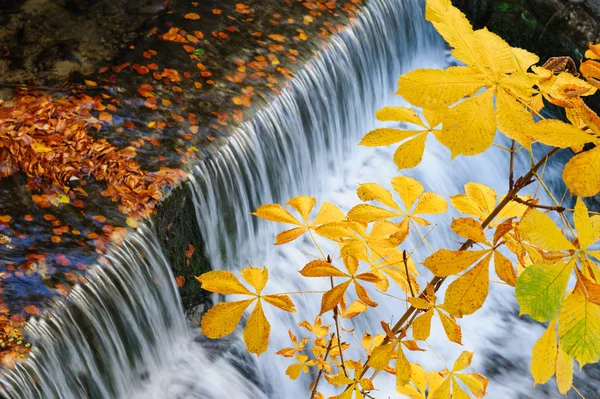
(115, 332)
(123, 335)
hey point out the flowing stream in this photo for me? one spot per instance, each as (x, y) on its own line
(124, 334)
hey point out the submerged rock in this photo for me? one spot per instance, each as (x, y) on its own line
(194, 315)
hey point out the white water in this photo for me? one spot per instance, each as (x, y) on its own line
(116, 333)
(124, 334)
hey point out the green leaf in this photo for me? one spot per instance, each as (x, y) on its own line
(541, 288)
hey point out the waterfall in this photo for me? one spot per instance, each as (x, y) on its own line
(305, 133)
(123, 335)
(115, 331)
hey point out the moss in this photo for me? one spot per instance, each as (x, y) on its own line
(178, 232)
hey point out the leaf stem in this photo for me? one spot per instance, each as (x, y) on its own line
(337, 328)
(423, 239)
(300, 292)
(578, 393)
(412, 293)
(530, 204)
(314, 391)
(511, 178)
(316, 245)
(437, 354)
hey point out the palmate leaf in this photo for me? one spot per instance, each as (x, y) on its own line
(294, 370)
(409, 190)
(480, 200)
(328, 213)
(222, 319)
(409, 153)
(469, 127)
(449, 388)
(335, 295)
(422, 324)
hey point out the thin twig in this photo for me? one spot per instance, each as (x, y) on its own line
(314, 391)
(511, 179)
(530, 204)
(412, 293)
(337, 327)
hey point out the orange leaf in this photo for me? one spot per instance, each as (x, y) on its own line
(320, 268)
(277, 38)
(32, 310)
(190, 251)
(191, 15)
(334, 296)
(62, 260)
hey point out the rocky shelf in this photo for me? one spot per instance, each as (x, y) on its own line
(84, 162)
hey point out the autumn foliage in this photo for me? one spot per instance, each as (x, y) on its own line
(47, 138)
(513, 235)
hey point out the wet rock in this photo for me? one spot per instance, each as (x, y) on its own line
(194, 315)
(182, 243)
(45, 41)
